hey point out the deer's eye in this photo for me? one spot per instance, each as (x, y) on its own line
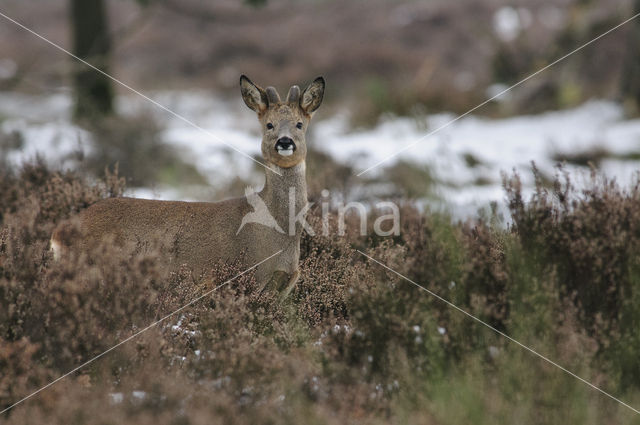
(299, 125)
(269, 126)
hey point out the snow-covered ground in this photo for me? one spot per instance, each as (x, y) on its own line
(498, 145)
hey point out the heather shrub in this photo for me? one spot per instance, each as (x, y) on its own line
(65, 312)
(54, 195)
(486, 272)
(329, 270)
(589, 238)
(32, 202)
(464, 263)
(354, 343)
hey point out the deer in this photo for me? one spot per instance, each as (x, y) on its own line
(199, 235)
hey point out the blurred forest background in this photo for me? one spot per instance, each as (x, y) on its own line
(388, 55)
(381, 58)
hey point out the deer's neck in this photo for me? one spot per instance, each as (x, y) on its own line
(282, 190)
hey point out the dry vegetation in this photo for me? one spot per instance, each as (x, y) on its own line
(354, 344)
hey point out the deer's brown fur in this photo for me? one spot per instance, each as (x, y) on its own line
(201, 234)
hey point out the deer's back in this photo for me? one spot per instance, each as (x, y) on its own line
(194, 233)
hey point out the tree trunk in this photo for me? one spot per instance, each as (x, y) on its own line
(631, 70)
(92, 90)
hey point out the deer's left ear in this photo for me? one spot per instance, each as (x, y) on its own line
(254, 96)
(312, 96)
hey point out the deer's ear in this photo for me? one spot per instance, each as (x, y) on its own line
(312, 96)
(254, 96)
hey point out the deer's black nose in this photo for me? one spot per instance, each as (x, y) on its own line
(285, 144)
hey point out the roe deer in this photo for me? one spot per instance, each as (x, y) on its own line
(248, 229)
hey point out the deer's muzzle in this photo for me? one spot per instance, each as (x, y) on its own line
(285, 146)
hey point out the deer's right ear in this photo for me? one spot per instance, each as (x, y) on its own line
(312, 96)
(254, 96)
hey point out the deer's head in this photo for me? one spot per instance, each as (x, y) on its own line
(284, 124)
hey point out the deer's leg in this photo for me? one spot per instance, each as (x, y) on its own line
(293, 279)
(277, 280)
(282, 283)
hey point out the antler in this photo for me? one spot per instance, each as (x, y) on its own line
(272, 95)
(294, 94)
